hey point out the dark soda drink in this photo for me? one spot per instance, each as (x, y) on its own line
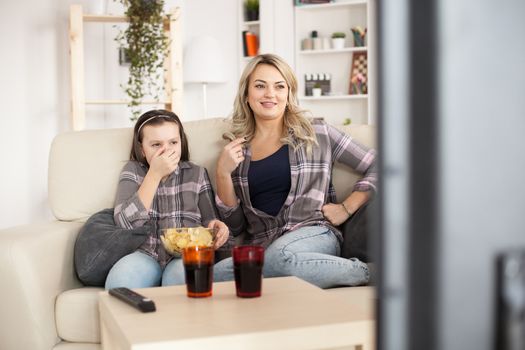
(248, 263)
(198, 269)
(199, 278)
(248, 279)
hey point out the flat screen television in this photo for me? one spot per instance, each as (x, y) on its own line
(451, 203)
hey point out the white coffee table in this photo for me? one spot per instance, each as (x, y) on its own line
(291, 314)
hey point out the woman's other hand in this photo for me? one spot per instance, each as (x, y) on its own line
(222, 232)
(335, 213)
(231, 156)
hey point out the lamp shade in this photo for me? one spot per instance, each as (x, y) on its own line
(204, 61)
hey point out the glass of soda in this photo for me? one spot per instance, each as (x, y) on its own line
(248, 263)
(198, 269)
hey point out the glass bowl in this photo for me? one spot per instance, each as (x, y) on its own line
(175, 240)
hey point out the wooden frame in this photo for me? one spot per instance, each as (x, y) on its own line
(172, 64)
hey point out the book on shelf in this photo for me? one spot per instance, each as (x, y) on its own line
(250, 44)
(244, 47)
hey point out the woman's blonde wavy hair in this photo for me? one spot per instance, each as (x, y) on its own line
(296, 124)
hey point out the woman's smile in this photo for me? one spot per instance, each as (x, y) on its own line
(268, 104)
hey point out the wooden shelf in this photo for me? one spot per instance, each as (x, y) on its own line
(251, 23)
(172, 65)
(110, 18)
(330, 51)
(124, 102)
(104, 18)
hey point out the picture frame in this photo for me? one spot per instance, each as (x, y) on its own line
(359, 74)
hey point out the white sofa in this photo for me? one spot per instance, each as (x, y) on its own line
(44, 305)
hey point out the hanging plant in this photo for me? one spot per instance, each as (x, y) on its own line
(146, 47)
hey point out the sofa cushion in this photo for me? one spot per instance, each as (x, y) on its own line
(77, 346)
(101, 243)
(76, 314)
(344, 177)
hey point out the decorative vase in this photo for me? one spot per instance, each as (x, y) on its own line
(252, 15)
(318, 44)
(338, 43)
(308, 44)
(326, 43)
(359, 35)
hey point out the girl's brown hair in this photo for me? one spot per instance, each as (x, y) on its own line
(156, 117)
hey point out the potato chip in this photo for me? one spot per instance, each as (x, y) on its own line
(176, 239)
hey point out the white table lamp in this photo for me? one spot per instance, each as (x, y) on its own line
(204, 64)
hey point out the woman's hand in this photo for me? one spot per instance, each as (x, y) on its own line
(335, 213)
(339, 213)
(231, 156)
(222, 232)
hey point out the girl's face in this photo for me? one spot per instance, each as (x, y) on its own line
(267, 92)
(165, 136)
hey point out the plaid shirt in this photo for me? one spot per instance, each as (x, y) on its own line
(184, 199)
(310, 189)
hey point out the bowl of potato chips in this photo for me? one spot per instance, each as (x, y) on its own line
(176, 239)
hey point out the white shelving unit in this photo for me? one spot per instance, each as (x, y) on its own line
(252, 26)
(274, 28)
(335, 97)
(326, 19)
(327, 51)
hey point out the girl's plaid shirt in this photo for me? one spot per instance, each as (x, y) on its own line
(184, 199)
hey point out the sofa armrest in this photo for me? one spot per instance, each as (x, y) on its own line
(36, 265)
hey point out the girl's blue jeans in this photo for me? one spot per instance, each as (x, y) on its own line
(139, 270)
(310, 253)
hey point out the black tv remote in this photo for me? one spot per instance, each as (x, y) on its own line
(134, 299)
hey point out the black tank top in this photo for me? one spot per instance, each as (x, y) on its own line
(269, 181)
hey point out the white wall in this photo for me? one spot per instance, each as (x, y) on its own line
(219, 20)
(35, 89)
(34, 94)
(34, 100)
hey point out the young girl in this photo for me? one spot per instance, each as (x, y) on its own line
(161, 188)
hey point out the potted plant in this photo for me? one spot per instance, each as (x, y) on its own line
(252, 10)
(146, 47)
(316, 90)
(338, 40)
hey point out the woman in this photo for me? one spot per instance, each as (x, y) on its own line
(273, 181)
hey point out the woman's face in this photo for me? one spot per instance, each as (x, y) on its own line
(165, 135)
(267, 92)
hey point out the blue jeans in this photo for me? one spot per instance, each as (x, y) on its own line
(139, 270)
(310, 253)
